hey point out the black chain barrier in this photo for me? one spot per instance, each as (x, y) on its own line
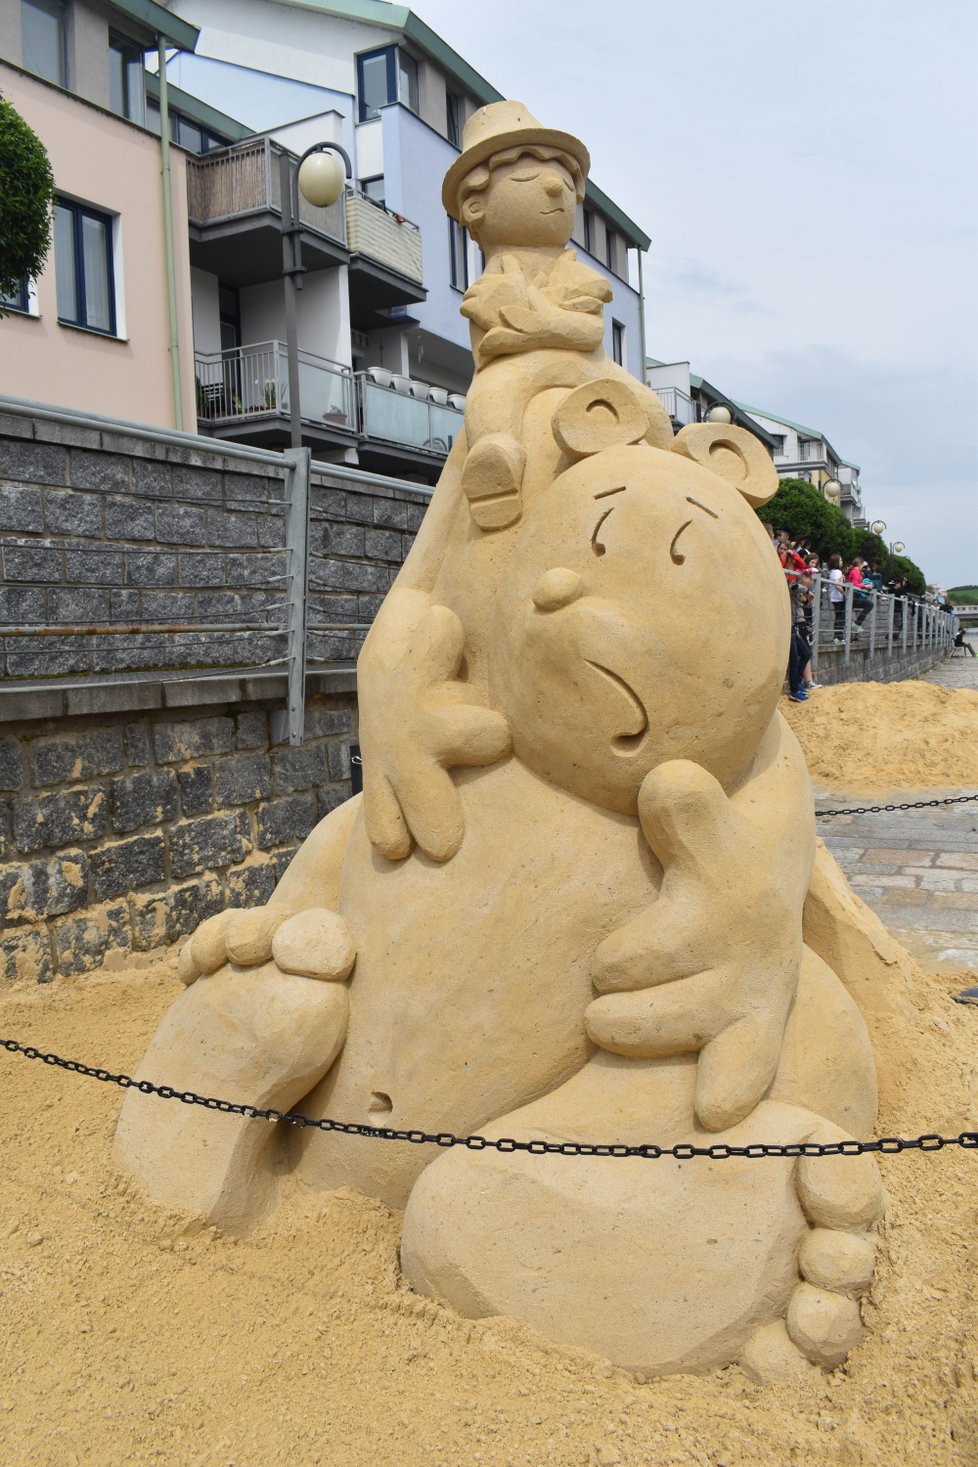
(888, 1145)
(881, 809)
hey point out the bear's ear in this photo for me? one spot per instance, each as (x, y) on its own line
(608, 413)
(735, 455)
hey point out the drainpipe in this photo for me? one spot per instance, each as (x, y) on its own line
(641, 312)
(171, 284)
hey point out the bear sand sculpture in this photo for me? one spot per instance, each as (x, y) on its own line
(569, 904)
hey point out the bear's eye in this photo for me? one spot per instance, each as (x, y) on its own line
(597, 545)
(677, 557)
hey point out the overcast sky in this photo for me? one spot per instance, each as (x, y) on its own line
(807, 171)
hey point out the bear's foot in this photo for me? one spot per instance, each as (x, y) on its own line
(492, 479)
(661, 1266)
(254, 1036)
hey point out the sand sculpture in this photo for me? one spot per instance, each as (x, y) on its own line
(570, 902)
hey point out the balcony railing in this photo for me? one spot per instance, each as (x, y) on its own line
(381, 235)
(252, 383)
(677, 404)
(811, 450)
(244, 179)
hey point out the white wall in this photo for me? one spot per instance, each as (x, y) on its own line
(670, 374)
(206, 310)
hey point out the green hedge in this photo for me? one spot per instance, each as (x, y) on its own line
(26, 201)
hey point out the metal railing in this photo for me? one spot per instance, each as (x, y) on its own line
(244, 179)
(678, 404)
(253, 381)
(852, 620)
(404, 412)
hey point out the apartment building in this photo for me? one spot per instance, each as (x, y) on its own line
(107, 327)
(383, 352)
(688, 398)
(806, 453)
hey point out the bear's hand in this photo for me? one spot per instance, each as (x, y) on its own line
(314, 943)
(713, 964)
(425, 723)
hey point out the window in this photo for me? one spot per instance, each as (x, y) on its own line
(373, 189)
(618, 343)
(19, 301)
(189, 135)
(127, 92)
(611, 248)
(384, 77)
(230, 315)
(84, 267)
(43, 39)
(453, 107)
(458, 248)
(589, 231)
(778, 449)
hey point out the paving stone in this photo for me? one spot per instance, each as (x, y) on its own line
(963, 859)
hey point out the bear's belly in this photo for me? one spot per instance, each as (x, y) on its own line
(472, 978)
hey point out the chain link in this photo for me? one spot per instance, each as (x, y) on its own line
(887, 1145)
(881, 809)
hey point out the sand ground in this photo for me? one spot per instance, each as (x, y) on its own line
(131, 1337)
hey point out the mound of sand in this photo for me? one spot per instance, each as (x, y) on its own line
(876, 737)
(128, 1337)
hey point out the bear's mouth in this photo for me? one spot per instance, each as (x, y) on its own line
(623, 718)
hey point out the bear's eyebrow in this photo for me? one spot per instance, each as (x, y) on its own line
(605, 492)
(711, 512)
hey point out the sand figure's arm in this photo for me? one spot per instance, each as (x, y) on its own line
(713, 965)
(418, 719)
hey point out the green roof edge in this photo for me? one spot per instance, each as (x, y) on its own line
(160, 21)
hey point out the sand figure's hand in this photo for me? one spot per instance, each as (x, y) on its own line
(713, 964)
(424, 723)
(493, 292)
(315, 943)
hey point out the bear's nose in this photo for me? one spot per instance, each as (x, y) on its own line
(557, 588)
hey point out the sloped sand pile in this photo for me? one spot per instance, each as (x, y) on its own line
(128, 1339)
(875, 737)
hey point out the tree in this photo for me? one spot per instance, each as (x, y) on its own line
(26, 201)
(806, 515)
(963, 595)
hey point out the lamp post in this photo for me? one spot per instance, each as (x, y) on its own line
(894, 547)
(320, 178)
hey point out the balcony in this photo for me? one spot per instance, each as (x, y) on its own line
(234, 202)
(385, 262)
(244, 394)
(678, 405)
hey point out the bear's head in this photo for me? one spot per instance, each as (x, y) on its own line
(642, 615)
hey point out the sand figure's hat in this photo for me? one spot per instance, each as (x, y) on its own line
(495, 128)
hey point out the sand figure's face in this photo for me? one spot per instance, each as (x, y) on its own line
(641, 617)
(529, 202)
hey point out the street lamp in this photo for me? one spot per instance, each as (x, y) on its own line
(895, 547)
(832, 490)
(719, 414)
(319, 176)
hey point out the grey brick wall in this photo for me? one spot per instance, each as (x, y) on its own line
(122, 831)
(100, 527)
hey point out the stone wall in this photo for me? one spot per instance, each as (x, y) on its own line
(874, 667)
(121, 831)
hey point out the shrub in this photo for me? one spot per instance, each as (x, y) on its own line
(26, 201)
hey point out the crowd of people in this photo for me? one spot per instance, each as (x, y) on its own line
(801, 565)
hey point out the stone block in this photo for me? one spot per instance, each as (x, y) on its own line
(60, 818)
(413, 515)
(19, 705)
(283, 860)
(252, 884)
(11, 764)
(68, 758)
(106, 472)
(224, 528)
(86, 565)
(384, 545)
(150, 568)
(21, 510)
(149, 920)
(137, 743)
(32, 563)
(67, 512)
(129, 519)
(192, 903)
(243, 779)
(196, 789)
(6, 839)
(79, 605)
(333, 539)
(320, 721)
(151, 478)
(72, 435)
(12, 425)
(33, 463)
(114, 698)
(21, 606)
(202, 692)
(281, 822)
(352, 575)
(26, 956)
(174, 607)
(298, 769)
(252, 729)
(197, 485)
(33, 890)
(198, 738)
(45, 657)
(149, 798)
(202, 568)
(271, 532)
(210, 843)
(367, 608)
(329, 798)
(83, 941)
(391, 513)
(180, 524)
(125, 606)
(126, 865)
(338, 761)
(254, 570)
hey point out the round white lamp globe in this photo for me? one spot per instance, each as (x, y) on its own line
(321, 179)
(719, 414)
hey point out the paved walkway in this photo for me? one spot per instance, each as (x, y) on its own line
(918, 869)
